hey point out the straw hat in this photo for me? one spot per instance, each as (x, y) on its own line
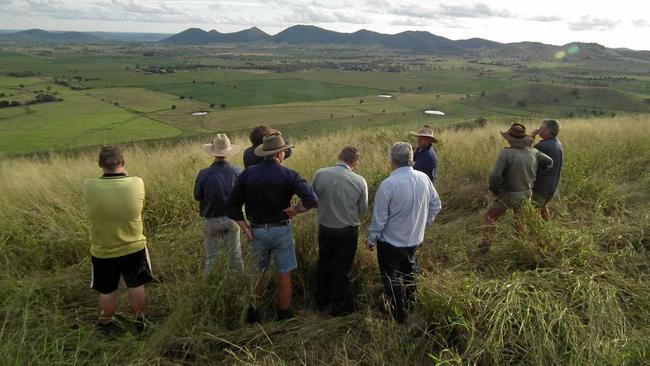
(272, 144)
(221, 146)
(516, 136)
(425, 131)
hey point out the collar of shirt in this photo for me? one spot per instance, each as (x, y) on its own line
(402, 170)
(343, 164)
(426, 148)
(113, 175)
(219, 162)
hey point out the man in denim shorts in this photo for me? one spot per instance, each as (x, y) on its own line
(266, 190)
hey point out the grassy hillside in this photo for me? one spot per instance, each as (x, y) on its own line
(574, 291)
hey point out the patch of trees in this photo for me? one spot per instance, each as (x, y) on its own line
(40, 98)
(23, 74)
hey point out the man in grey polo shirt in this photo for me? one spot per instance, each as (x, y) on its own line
(342, 200)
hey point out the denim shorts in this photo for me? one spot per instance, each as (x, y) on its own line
(276, 242)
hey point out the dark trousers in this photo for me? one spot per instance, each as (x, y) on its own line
(336, 250)
(398, 270)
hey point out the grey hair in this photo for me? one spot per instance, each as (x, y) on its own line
(552, 125)
(401, 154)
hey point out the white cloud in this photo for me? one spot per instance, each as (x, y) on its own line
(641, 23)
(587, 23)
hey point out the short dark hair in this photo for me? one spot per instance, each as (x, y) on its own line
(257, 134)
(349, 154)
(552, 125)
(110, 156)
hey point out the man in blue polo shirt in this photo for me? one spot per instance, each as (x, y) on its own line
(424, 156)
(266, 190)
(212, 189)
(547, 180)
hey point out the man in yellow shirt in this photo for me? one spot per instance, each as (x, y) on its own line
(117, 244)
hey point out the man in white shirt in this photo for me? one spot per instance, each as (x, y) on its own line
(405, 204)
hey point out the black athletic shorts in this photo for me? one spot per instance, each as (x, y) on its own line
(134, 267)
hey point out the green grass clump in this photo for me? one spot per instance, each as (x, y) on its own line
(573, 291)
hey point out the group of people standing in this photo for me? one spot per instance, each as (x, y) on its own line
(256, 203)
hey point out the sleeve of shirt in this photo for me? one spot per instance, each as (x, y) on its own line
(434, 205)
(303, 190)
(498, 170)
(198, 192)
(363, 198)
(544, 161)
(434, 166)
(379, 213)
(237, 199)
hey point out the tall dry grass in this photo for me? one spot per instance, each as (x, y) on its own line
(573, 291)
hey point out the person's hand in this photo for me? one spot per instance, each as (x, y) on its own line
(290, 212)
(535, 133)
(248, 234)
(370, 247)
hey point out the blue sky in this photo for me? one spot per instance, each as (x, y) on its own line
(623, 23)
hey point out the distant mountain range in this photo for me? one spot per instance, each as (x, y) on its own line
(413, 41)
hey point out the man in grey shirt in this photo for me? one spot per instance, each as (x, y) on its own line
(342, 200)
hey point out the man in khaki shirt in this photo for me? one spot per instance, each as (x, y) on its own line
(342, 201)
(512, 179)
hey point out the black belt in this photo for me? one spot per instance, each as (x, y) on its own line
(270, 224)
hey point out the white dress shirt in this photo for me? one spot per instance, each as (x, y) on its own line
(405, 204)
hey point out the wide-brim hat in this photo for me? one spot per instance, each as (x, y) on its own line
(425, 131)
(272, 144)
(221, 146)
(516, 136)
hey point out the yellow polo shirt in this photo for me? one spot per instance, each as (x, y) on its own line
(114, 207)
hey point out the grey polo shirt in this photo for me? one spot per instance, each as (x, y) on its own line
(342, 196)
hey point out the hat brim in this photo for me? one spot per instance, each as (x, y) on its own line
(259, 150)
(417, 134)
(517, 142)
(209, 148)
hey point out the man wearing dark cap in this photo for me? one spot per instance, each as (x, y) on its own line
(117, 244)
(266, 190)
(425, 159)
(512, 179)
(547, 181)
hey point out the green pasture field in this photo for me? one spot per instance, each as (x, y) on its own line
(243, 93)
(78, 120)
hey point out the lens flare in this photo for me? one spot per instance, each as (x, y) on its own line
(573, 49)
(560, 55)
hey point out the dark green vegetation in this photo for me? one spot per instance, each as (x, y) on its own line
(127, 92)
(572, 292)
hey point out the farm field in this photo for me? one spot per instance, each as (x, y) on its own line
(578, 284)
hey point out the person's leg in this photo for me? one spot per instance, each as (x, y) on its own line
(388, 260)
(284, 255)
(233, 243)
(494, 212)
(342, 301)
(107, 307)
(210, 243)
(324, 269)
(410, 271)
(138, 299)
(544, 212)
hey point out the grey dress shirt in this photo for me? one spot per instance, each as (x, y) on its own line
(342, 196)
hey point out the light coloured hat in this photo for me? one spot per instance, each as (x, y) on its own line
(221, 146)
(272, 144)
(516, 136)
(425, 131)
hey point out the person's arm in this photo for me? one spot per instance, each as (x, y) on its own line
(497, 172)
(237, 199)
(544, 161)
(198, 192)
(305, 192)
(379, 215)
(434, 205)
(363, 199)
(434, 166)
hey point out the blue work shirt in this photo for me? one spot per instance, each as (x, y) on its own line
(547, 181)
(405, 204)
(266, 189)
(213, 186)
(425, 160)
